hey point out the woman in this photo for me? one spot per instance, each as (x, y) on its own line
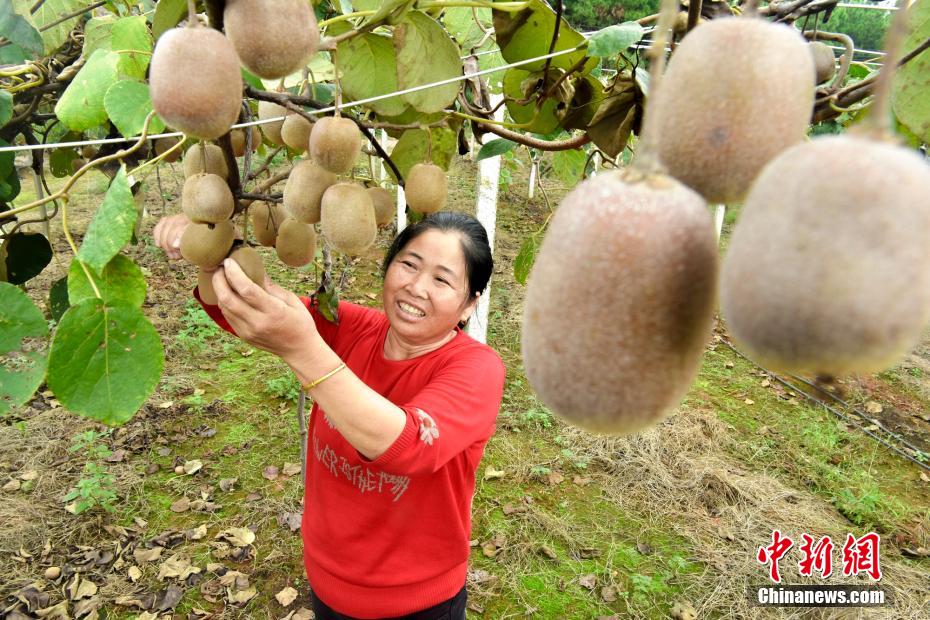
(404, 403)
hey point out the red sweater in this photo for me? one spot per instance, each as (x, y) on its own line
(389, 537)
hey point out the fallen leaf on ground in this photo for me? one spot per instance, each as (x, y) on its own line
(290, 520)
(270, 472)
(242, 596)
(182, 505)
(549, 553)
(874, 407)
(555, 478)
(286, 596)
(57, 612)
(192, 467)
(29, 474)
(291, 469)
(588, 581)
(492, 474)
(147, 555)
(582, 481)
(12, 485)
(169, 598)
(176, 566)
(134, 573)
(683, 611)
(609, 594)
(81, 588)
(227, 484)
(238, 536)
(196, 533)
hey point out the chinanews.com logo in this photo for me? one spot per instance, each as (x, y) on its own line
(860, 557)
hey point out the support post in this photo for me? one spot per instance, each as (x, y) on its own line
(597, 164)
(718, 219)
(401, 209)
(534, 171)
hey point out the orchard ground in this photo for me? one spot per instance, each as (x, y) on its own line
(566, 524)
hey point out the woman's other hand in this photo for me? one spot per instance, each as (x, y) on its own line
(268, 317)
(168, 233)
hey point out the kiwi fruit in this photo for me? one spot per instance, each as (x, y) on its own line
(824, 61)
(274, 38)
(620, 301)
(207, 199)
(251, 263)
(206, 245)
(425, 188)
(725, 111)
(829, 273)
(335, 143)
(195, 82)
(347, 218)
(88, 152)
(383, 201)
(77, 163)
(196, 155)
(237, 139)
(296, 243)
(205, 287)
(296, 132)
(266, 218)
(266, 110)
(304, 189)
(163, 144)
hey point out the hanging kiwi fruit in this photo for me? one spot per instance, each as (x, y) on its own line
(347, 218)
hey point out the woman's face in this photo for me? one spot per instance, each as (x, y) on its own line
(425, 288)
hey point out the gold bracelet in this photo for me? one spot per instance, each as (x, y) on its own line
(309, 386)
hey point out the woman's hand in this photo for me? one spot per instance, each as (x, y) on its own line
(168, 233)
(268, 317)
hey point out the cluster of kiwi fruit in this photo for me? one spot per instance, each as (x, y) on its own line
(828, 269)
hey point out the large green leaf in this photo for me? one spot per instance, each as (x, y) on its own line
(128, 103)
(6, 105)
(569, 166)
(9, 178)
(911, 94)
(112, 225)
(105, 360)
(24, 256)
(518, 84)
(412, 147)
(461, 24)
(168, 14)
(51, 11)
(614, 39)
(528, 33)
(132, 41)
(19, 31)
(368, 65)
(81, 105)
(121, 282)
(97, 34)
(494, 148)
(59, 162)
(523, 264)
(22, 359)
(426, 54)
(58, 302)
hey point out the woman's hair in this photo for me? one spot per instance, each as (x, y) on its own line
(474, 238)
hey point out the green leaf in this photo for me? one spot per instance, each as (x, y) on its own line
(132, 41)
(127, 103)
(24, 256)
(523, 264)
(250, 79)
(528, 33)
(121, 282)
(419, 37)
(9, 178)
(911, 89)
(518, 84)
(22, 361)
(58, 302)
(19, 30)
(112, 225)
(368, 65)
(614, 39)
(412, 146)
(105, 360)
(81, 105)
(569, 166)
(97, 34)
(168, 14)
(460, 22)
(6, 106)
(858, 71)
(390, 11)
(51, 11)
(60, 162)
(495, 148)
(12, 54)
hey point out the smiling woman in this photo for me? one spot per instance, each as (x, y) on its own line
(404, 403)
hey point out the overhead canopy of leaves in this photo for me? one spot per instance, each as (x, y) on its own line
(417, 37)
(48, 12)
(368, 65)
(18, 30)
(528, 33)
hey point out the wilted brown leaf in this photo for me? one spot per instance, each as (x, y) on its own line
(12, 485)
(238, 536)
(227, 484)
(241, 597)
(182, 505)
(290, 520)
(609, 594)
(196, 533)
(683, 610)
(192, 467)
(168, 598)
(582, 481)
(874, 407)
(134, 573)
(493, 474)
(176, 566)
(56, 612)
(80, 588)
(29, 474)
(286, 596)
(588, 581)
(270, 472)
(548, 552)
(555, 478)
(291, 469)
(147, 555)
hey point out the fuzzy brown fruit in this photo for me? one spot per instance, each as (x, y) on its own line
(274, 38)
(830, 273)
(266, 110)
(164, 144)
(335, 143)
(347, 218)
(718, 125)
(304, 189)
(251, 263)
(620, 301)
(207, 199)
(205, 287)
(824, 61)
(296, 132)
(296, 243)
(266, 219)
(383, 201)
(195, 82)
(237, 139)
(425, 189)
(206, 245)
(196, 155)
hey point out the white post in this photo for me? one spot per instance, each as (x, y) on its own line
(597, 164)
(401, 209)
(534, 169)
(489, 173)
(718, 219)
